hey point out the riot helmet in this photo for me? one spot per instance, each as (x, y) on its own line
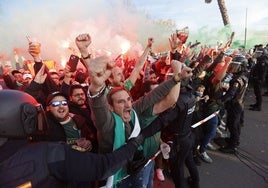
(19, 114)
(238, 64)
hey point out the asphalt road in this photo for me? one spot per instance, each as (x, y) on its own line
(247, 169)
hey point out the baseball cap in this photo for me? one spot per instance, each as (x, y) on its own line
(54, 94)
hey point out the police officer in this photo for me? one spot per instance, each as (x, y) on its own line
(234, 101)
(178, 122)
(47, 164)
(258, 73)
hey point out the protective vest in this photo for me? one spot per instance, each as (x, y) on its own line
(22, 168)
(185, 106)
(243, 84)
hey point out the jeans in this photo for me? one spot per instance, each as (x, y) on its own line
(209, 132)
(144, 178)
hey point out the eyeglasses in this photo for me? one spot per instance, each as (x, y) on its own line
(57, 103)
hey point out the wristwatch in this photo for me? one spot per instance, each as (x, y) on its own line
(177, 77)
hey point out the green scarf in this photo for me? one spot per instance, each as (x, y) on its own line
(119, 140)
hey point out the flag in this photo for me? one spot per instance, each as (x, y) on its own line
(50, 64)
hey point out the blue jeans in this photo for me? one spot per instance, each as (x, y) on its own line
(209, 132)
(144, 178)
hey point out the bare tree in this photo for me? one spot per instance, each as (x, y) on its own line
(223, 9)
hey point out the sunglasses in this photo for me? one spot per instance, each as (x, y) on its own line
(57, 103)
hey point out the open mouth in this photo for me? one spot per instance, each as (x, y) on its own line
(127, 114)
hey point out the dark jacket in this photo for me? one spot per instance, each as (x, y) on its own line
(259, 70)
(86, 113)
(56, 132)
(12, 84)
(41, 91)
(56, 165)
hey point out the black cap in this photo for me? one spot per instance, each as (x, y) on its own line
(54, 94)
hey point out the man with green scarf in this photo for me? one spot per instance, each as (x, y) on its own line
(118, 120)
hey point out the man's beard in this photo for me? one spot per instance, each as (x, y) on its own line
(80, 103)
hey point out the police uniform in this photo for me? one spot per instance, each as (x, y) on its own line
(258, 76)
(56, 165)
(234, 104)
(178, 122)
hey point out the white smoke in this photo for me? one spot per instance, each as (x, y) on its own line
(53, 23)
(109, 22)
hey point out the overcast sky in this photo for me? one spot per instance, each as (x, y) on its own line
(197, 13)
(112, 22)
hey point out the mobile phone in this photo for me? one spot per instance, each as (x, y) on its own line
(73, 61)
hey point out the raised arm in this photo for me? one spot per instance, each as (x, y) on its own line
(169, 100)
(99, 70)
(139, 65)
(35, 87)
(159, 92)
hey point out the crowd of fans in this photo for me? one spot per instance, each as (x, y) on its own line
(82, 107)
